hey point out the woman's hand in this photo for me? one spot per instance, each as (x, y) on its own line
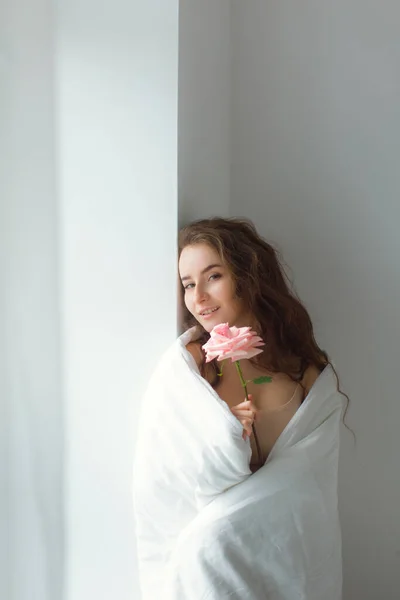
(246, 413)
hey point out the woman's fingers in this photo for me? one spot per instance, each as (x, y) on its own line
(247, 429)
(245, 412)
(247, 423)
(244, 404)
(246, 420)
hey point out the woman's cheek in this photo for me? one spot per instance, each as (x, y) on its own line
(189, 304)
(221, 290)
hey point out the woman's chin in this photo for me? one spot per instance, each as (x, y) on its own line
(210, 323)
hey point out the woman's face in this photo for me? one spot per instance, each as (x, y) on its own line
(210, 288)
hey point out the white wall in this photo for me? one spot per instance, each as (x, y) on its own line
(117, 134)
(204, 109)
(88, 224)
(315, 152)
(305, 140)
(31, 396)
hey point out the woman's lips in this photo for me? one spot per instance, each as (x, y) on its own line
(209, 315)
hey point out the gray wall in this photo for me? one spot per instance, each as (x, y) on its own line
(315, 163)
(204, 109)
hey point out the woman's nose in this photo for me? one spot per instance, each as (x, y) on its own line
(200, 293)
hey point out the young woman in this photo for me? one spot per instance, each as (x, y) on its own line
(219, 516)
(229, 274)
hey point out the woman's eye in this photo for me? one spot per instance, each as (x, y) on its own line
(212, 277)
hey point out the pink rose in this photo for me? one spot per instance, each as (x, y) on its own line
(232, 342)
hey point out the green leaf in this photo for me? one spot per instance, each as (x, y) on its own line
(264, 379)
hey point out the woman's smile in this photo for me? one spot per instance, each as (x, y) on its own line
(210, 290)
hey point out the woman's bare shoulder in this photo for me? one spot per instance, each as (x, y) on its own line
(282, 389)
(310, 377)
(276, 394)
(196, 351)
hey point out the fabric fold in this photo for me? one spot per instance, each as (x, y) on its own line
(207, 528)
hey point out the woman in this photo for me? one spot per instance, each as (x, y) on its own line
(216, 519)
(230, 274)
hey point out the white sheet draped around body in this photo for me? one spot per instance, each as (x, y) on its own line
(208, 529)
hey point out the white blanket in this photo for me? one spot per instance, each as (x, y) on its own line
(208, 529)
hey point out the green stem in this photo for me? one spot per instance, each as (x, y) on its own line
(243, 381)
(220, 372)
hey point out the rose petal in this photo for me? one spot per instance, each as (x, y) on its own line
(232, 342)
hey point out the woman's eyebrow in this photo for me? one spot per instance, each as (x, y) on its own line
(203, 271)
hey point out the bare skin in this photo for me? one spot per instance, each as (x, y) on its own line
(210, 296)
(271, 407)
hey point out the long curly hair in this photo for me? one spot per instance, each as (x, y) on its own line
(262, 283)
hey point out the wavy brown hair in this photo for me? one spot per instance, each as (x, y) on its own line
(262, 283)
